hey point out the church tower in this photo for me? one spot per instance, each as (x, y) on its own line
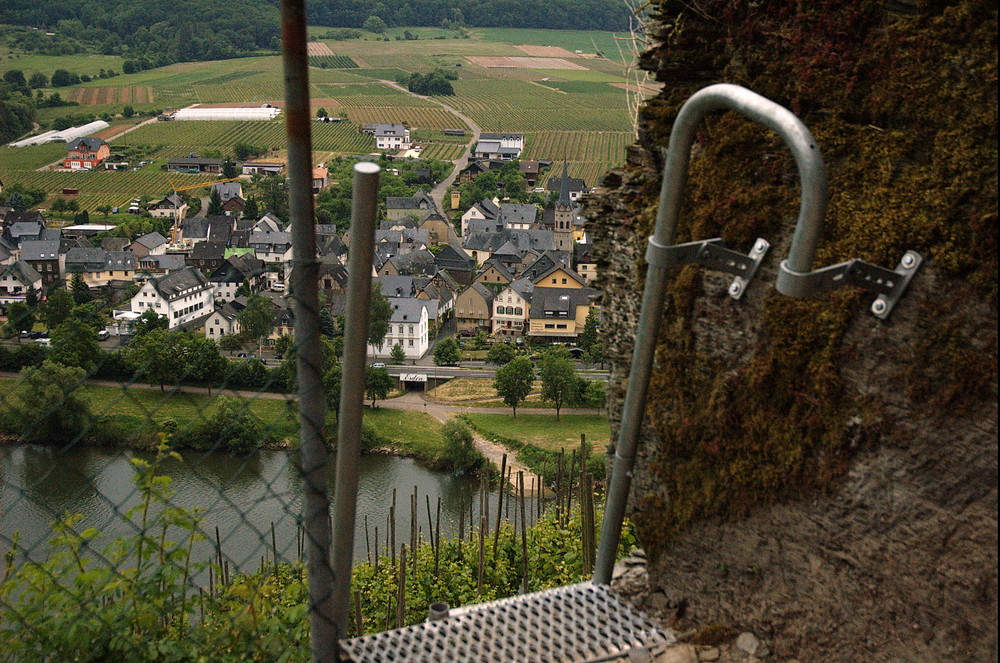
(563, 227)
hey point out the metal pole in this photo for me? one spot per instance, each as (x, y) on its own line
(800, 258)
(305, 297)
(359, 286)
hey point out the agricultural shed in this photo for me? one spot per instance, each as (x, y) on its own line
(205, 114)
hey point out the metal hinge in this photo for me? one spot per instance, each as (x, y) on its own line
(889, 284)
(710, 253)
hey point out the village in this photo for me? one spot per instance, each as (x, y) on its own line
(500, 270)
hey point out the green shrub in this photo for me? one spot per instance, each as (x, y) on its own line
(460, 453)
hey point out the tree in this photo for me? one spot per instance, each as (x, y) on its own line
(374, 24)
(159, 356)
(379, 314)
(559, 378)
(44, 406)
(322, 113)
(378, 383)
(62, 78)
(74, 343)
(326, 325)
(447, 353)
(230, 343)
(230, 169)
(80, 289)
(332, 377)
(513, 382)
(38, 80)
(15, 77)
(460, 452)
(215, 203)
(255, 320)
(104, 209)
(58, 307)
(501, 354)
(243, 151)
(205, 363)
(147, 322)
(20, 316)
(128, 111)
(589, 337)
(398, 354)
(250, 211)
(234, 427)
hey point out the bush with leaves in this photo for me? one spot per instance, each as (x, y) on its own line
(460, 453)
(45, 408)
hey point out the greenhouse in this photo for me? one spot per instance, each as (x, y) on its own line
(66, 135)
(196, 114)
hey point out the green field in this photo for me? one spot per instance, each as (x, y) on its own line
(575, 114)
(543, 431)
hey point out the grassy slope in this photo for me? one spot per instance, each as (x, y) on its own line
(544, 431)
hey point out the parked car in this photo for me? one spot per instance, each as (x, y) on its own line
(103, 335)
(378, 364)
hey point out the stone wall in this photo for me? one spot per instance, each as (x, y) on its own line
(808, 472)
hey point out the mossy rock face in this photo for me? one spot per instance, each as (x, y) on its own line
(773, 401)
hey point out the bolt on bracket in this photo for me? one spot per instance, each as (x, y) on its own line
(889, 284)
(712, 254)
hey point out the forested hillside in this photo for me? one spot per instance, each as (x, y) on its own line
(554, 14)
(162, 32)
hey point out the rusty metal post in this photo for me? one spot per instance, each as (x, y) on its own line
(305, 296)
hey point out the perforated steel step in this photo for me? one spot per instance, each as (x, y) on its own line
(583, 623)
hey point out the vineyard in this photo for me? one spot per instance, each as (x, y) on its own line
(332, 62)
(430, 118)
(606, 146)
(519, 105)
(179, 138)
(444, 151)
(97, 96)
(29, 158)
(100, 187)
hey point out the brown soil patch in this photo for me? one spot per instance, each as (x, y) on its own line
(318, 48)
(547, 52)
(522, 63)
(111, 132)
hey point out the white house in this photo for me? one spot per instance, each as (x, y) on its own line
(392, 137)
(180, 297)
(16, 280)
(485, 209)
(224, 321)
(272, 247)
(408, 327)
(503, 146)
(511, 308)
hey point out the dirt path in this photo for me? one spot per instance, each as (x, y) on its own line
(417, 402)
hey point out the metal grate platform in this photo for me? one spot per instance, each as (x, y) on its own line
(583, 623)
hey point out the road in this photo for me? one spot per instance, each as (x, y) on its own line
(437, 193)
(470, 370)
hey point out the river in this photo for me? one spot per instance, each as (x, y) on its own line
(240, 495)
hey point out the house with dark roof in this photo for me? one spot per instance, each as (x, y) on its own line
(418, 205)
(439, 229)
(86, 153)
(494, 272)
(559, 276)
(193, 164)
(183, 297)
(25, 231)
(171, 207)
(518, 216)
(207, 256)
(224, 320)
(158, 265)
(575, 186)
(474, 309)
(415, 263)
(586, 264)
(17, 280)
(233, 272)
(46, 258)
(149, 244)
(485, 209)
(456, 263)
(559, 314)
(391, 137)
(472, 170)
(98, 267)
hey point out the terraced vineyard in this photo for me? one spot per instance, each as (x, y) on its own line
(600, 146)
(128, 94)
(429, 118)
(523, 106)
(29, 158)
(446, 151)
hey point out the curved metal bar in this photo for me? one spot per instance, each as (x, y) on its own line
(800, 258)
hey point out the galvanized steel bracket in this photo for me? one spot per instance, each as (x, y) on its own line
(711, 254)
(889, 284)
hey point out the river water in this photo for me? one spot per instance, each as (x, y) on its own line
(242, 496)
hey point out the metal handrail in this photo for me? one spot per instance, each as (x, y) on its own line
(795, 275)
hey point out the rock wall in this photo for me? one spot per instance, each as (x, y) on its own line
(808, 472)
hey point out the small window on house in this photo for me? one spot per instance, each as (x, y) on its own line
(518, 311)
(549, 326)
(411, 342)
(560, 326)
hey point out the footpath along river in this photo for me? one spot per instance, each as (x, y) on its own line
(241, 495)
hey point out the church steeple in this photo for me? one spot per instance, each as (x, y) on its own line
(564, 199)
